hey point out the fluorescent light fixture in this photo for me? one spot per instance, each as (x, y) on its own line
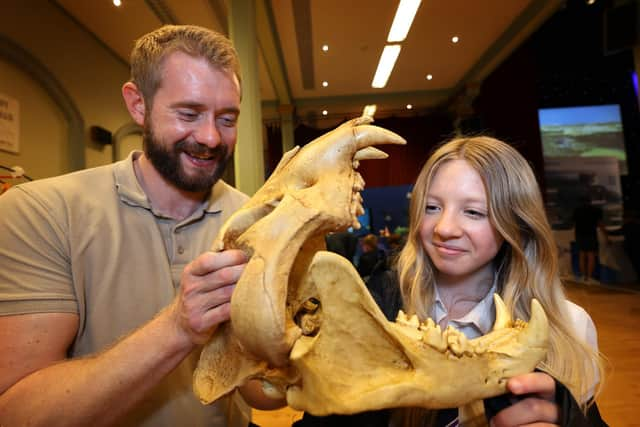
(385, 66)
(402, 22)
(369, 110)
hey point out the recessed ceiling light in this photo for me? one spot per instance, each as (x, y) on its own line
(325, 112)
(325, 83)
(117, 3)
(385, 66)
(409, 106)
(455, 39)
(325, 47)
(429, 76)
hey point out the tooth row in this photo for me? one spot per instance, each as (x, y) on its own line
(431, 334)
(358, 183)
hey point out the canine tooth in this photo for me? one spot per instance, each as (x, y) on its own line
(355, 164)
(370, 153)
(356, 224)
(536, 332)
(503, 318)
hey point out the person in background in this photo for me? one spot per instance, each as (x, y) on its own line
(107, 287)
(477, 227)
(588, 220)
(369, 256)
(343, 243)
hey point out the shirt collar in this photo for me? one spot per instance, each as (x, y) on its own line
(130, 191)
(481, 317)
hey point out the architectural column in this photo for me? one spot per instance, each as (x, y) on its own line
(249, 152)
(286, 127)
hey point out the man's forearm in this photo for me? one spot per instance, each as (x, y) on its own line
(97, 390)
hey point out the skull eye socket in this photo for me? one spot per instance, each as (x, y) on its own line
(309, 317)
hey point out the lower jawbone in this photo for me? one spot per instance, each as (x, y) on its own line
(355, 360)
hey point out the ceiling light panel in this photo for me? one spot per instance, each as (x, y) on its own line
(402, 22)
(385, 66)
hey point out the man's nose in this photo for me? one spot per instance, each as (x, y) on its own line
(207, 133)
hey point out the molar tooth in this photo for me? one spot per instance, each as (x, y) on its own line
(413, 321)
(434, 338)
(458, 342)
(401, 317)
(503, 318)
(359, 209)
(429, 324)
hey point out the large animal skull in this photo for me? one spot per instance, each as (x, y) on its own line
(303, 321)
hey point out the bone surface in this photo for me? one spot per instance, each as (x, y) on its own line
(297, 310)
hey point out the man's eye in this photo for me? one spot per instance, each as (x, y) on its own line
(228, 121)
(188, 115)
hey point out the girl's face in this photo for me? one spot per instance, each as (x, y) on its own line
(455, 231)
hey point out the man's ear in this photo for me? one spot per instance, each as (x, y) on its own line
(134, 101)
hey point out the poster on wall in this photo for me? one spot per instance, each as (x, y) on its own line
(9, 124)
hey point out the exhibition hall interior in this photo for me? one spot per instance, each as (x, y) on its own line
(556, 79)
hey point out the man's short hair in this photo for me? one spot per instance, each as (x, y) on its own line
(151, 49)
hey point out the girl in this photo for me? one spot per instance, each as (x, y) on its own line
(478, 226)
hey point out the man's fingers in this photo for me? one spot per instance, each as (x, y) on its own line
(538, 383)
(213, 261)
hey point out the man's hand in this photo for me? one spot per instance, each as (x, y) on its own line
(205, 292)
(537, 405)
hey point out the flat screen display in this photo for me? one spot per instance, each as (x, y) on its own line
(583, 131)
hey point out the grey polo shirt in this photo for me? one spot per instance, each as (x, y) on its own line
(90, 243)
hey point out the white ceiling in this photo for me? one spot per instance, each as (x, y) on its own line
(356, 32)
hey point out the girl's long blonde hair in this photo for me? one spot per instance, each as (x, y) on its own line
(528, 258)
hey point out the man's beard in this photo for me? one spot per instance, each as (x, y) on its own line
(166, 161)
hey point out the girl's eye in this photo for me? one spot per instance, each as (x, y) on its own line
(431, 208)
(476, 214)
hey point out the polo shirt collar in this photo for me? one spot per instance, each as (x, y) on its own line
(130, 191)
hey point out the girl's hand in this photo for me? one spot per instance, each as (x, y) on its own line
(536, 406)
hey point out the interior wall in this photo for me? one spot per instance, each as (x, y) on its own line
(89, 73)
(43, 149)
